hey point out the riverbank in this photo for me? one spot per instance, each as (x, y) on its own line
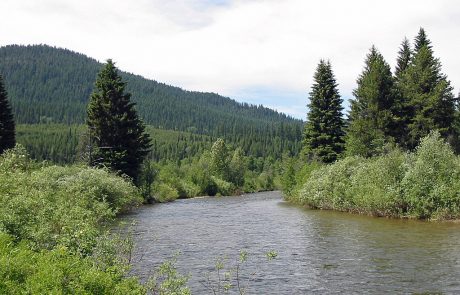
(53, 228)
(424, 184)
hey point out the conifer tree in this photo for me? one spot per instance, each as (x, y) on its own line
(428, 93)
(7, 126)
(372, 122)
(401, 108)
(421, 40)
(114, 126)
(324, 130)
(404, 57)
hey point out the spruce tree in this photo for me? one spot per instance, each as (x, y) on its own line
(372, 122)
(401, 108)
(7, 126)
(421, 40)
(455, 138)
(324, 130)
(428, 93)
(115, 129)
(404, 58)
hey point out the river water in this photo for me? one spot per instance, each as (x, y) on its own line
(317, 251)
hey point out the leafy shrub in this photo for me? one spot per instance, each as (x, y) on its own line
(15, 159)
(224, 188)
(431, 184)
(326, 188)
(265, 181)
(376, 188)
(423, 184)
(188, 189)
(67, 206)
(165, 193)
(57, 271)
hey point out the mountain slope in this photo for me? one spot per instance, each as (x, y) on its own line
(47, 84)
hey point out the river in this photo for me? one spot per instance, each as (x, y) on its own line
(317, 251)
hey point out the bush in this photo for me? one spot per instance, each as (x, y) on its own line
(50, 206)
(376, 185)
(431, 184)
(165, 193)
(224, 188)
(15, 159)
(424, 184)
(57, 271)
(188, 189)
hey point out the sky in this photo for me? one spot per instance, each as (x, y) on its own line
(256, 51)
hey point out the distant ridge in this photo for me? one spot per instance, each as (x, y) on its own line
(49, 84)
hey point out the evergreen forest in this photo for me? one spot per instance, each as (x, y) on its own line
(53, 85)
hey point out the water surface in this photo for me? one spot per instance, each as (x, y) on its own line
(318, 251)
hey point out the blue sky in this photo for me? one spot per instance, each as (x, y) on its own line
(258, 51)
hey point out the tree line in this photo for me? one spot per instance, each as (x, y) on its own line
(114, 137)
(394, 155)
(387, 109)
(52, 85)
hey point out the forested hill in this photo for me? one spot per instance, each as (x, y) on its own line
(47, 84)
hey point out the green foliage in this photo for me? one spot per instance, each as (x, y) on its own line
(52, 228)
(294, 175)
(422, 184)
(324, 130)
(15, 159)
(229, 278)
(404, 58)
(288, 180)
(224, 188)
(7, 126)
(237, 167)
(69, 77)
(57, 271)
(219, 159)
(69, 204)
(432, 182)
(428, 94)
(220, 171)
(114, 127)
(165, 193)
(371, 117)
(167, 281)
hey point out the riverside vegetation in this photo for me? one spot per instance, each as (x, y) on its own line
(395, 155)
(421, 184)
(54, 220)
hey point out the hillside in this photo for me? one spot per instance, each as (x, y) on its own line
(47, 84)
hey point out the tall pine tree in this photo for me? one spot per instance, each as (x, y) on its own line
(7, 126)
(372, 122)
(114, 126)
(404, 58)
(401, 107)
(324, 130)
(421, 40)
(428, 93)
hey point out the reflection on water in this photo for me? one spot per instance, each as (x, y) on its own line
(318, 251)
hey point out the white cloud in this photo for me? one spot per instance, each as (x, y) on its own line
(226, 46)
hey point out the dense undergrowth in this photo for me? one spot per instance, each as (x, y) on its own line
(423, 184)
(221, 171)
(53, 228)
